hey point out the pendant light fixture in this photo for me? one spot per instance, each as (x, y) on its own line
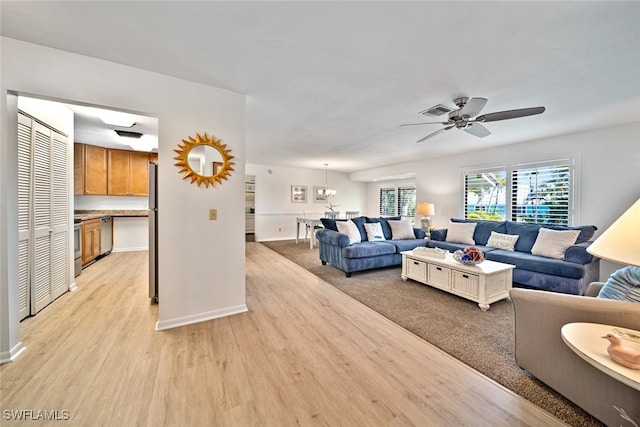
(326, 192)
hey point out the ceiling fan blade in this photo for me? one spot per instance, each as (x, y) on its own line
(473, 107)
(435, 133)
(477, 129)
(424, 123)
(509, 114)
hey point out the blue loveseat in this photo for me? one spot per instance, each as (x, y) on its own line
(571, 275)
(335, 248)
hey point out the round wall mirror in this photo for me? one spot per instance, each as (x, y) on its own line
(205, 160)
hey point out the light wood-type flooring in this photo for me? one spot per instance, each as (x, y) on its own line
(304, 354)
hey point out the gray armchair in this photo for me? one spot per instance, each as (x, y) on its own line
(539, 349)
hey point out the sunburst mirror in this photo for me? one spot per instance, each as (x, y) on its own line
(204, 160)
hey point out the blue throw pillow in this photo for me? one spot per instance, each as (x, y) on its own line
(624, 285)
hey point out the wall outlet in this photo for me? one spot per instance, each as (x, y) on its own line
(213, 214)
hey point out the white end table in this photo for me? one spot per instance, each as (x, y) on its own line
(585, 340)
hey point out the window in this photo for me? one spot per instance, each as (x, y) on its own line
(398, 201)
(387, 201)
(484, 194)
(407, 201)
(541, 193)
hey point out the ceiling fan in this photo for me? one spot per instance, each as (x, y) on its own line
(463, 117)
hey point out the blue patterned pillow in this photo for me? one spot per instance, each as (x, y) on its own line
(624, 284)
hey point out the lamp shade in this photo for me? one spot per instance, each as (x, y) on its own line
(427, 209)
(621, 242)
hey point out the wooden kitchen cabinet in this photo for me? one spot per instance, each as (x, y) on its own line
(90, 170)
(127, 173)
(90, 240)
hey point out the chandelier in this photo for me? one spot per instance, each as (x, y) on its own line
(326, 191)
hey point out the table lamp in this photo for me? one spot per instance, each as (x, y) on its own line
(426, 210)
(619, 243)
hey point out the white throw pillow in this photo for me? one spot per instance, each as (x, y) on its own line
(502, 241)
(554, 243)
(350, 229)
(401, 230)
(374, 232)
(461, 232)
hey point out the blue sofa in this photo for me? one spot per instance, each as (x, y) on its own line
(571, 275)
(335, 249)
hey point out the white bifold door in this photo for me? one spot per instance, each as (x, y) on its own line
(44, 254)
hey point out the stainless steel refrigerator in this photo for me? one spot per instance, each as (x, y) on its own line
(153, 231)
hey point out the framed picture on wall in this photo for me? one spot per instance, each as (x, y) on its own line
(318, 195)
(298, 194)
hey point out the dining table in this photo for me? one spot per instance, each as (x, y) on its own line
(312, 223)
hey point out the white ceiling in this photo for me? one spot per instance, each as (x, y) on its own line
(330, 82)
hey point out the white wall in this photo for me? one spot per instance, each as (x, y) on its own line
(275, 214)
(608, 174)
(196, 282)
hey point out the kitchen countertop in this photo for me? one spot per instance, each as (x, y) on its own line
(92, 214)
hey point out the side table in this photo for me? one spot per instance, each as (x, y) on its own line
(584, 339)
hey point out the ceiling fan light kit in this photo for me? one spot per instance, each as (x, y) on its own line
(463, 117)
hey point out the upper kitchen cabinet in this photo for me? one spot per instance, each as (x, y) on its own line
(127, 173)
(90, 170)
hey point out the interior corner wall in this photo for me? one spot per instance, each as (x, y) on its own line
(195, 281)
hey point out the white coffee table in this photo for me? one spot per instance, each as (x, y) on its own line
(484, 283)
(585, 340)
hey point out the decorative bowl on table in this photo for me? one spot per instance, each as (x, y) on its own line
(470, 255)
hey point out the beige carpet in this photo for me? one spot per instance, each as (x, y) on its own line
(482, 340)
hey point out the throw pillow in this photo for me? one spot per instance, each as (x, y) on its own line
(374, 232)
(502, 241)
(461, 232)
(624, 285)
(351, 230)
(554, 243)
(401, 230)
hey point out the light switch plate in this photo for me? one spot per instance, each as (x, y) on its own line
(213, 214)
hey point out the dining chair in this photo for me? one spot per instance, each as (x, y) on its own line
(352, 214)
(308, 229)
(331, 214)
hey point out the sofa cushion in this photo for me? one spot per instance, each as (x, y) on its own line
(384, 223)
(461, 232)
(553, 243)
(401, 230)
(502, 241)
(537, 263)
(374, 231)
(368, 249)
(407, 244)
(330, 223)
(528, 234)
(484, 228)
(350, 229)
(623, 284)
(586, 231)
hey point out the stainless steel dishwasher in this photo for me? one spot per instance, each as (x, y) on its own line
(106, 235)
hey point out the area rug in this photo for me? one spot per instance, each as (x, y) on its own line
(482, 340)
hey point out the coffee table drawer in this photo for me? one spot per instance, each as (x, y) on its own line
(417, 269)
(440, 276)
(465, 283)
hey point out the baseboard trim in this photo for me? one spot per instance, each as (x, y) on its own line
(141, 248)
(11, 355)
(162, 325)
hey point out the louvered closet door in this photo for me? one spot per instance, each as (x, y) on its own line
(24, 214)
(42, 227)
(44, 251)
(60, 237)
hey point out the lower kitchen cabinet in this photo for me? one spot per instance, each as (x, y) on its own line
(90, 240)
